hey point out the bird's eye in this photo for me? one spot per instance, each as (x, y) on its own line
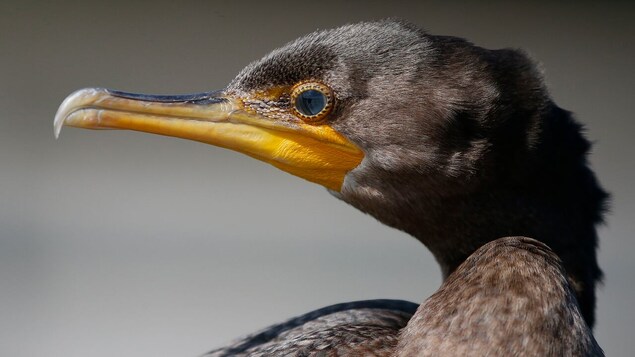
(312, 101)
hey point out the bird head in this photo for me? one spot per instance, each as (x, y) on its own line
(366, 110)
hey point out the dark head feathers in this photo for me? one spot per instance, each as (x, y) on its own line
(358, 52)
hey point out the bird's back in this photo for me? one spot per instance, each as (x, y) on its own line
(511, 297)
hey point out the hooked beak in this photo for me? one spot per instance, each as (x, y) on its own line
(314, 152)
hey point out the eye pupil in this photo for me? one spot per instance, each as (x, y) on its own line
(310, 102)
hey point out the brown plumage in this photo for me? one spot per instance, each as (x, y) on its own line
(510, 298)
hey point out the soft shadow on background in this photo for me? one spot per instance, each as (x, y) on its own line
(127, 244)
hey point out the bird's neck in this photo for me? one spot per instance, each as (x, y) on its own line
(453, 226)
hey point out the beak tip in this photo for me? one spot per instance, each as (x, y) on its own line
(56, 132)
(72, 102)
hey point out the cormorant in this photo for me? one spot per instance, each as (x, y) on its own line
(452, 143)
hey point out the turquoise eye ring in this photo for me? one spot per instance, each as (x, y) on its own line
(312, 101)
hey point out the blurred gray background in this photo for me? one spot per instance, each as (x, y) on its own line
(126, 244)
